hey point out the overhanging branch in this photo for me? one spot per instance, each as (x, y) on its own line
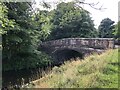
(92, 5)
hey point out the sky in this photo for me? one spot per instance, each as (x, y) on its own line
(110, 11)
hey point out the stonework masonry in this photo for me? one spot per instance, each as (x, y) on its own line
(78, 44)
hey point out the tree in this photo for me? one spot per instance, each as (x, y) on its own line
(20, 41)
(71, 21)
(116, 30)
(5, 23)
(43, 24)
(116, 33)
(106, 28)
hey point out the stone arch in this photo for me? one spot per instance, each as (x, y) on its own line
(65, 54)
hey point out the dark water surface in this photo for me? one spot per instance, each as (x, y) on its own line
(21, 77)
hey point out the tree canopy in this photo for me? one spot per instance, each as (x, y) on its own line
(106, 28)
(71, 21)
(116, 30)
(20, 37)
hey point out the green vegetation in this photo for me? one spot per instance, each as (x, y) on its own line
(23, 28)
(106, 28)
(71, 21)
(117, 33)
(21, 35)
(96, 71)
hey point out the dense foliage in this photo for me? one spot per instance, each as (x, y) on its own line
(19, 39)
(116, 30)
(106, 28)
(71, 21)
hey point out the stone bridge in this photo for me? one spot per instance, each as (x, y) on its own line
(76, 47)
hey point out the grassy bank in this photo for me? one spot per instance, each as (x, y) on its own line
(95, 71)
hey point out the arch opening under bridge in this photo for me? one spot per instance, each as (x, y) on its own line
(67, 54)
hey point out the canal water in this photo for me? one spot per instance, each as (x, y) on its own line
(21, 77)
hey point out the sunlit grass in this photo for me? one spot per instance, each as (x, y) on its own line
(95, 71)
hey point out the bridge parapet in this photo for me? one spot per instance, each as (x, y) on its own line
(98, 43)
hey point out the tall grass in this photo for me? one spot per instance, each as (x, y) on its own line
(95, 71)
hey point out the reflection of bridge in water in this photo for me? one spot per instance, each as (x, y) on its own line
(72, 47)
